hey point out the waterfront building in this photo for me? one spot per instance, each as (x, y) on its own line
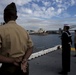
(41, 30)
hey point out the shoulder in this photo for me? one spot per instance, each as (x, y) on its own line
(2, 27)
(22, 29)
(64, 33)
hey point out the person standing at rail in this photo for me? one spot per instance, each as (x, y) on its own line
(66, 49)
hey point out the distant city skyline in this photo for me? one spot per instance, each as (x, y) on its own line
(46, 14)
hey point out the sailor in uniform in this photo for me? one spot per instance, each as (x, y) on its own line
(15, 45)
(66, 49)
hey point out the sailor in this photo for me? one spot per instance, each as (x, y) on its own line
(66, 49)
(15, 45)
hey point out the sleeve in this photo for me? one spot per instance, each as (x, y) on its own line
(0, 42)
(1, 30)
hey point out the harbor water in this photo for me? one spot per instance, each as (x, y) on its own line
(47, 41)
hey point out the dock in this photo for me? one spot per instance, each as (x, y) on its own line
(50, 63)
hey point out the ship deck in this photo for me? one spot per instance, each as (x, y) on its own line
(50, 64)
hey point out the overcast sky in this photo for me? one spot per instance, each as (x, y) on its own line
(46, 14)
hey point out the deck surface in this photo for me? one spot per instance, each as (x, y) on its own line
(50, 64)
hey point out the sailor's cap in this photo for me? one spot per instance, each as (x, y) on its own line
(66, 25)
(11, 8)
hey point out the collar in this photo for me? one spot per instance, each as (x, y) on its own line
(11, 22)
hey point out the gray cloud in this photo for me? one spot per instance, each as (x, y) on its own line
(36, 16)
